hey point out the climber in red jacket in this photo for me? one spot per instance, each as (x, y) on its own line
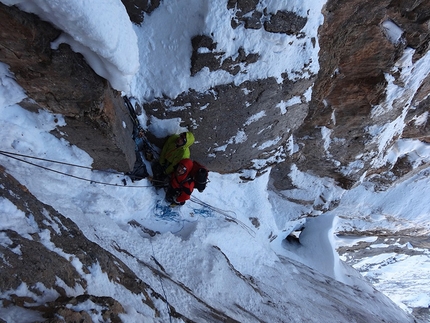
(181, 183)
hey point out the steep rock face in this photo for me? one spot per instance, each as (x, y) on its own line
(241, 126)
(53, 261)
(62, 82)
(253, 18)
(417, 119)
(38, 263)
(229, 109)
(235, 114)
(356, 54)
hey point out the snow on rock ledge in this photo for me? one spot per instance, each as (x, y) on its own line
(104, 37)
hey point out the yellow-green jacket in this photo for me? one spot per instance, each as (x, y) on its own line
(171, 155)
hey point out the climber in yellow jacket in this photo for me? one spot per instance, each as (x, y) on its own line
(176, 148)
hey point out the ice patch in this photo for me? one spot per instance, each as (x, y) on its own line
(392, 31)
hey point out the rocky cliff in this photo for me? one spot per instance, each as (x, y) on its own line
(333, 118)
(356, 56)
(356, 59)
(62, 82)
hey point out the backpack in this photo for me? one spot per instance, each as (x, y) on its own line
(200, 174)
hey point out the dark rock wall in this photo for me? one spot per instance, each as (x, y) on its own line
(136, 9)
(227, 138)
(37, 263)
(355, 53)
(219, 118)
(62, 82)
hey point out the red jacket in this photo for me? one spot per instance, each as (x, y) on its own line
(182, 180)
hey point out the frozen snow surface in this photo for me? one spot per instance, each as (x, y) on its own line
(153, 59)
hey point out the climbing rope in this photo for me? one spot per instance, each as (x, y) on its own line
(213, 208)
(13, 156)
(139, 134)
(161, 283)
(226, 213)
(44, 159)
(229, 215)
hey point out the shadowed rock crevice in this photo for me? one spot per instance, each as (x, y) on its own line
(247, 14)
(137, 9)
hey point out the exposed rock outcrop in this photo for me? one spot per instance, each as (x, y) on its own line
(228, 112)
(281, 22)
(355, 55)
(243, 126)
(248, 128)
(62, 82)
(137, 9)
(36, 262)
